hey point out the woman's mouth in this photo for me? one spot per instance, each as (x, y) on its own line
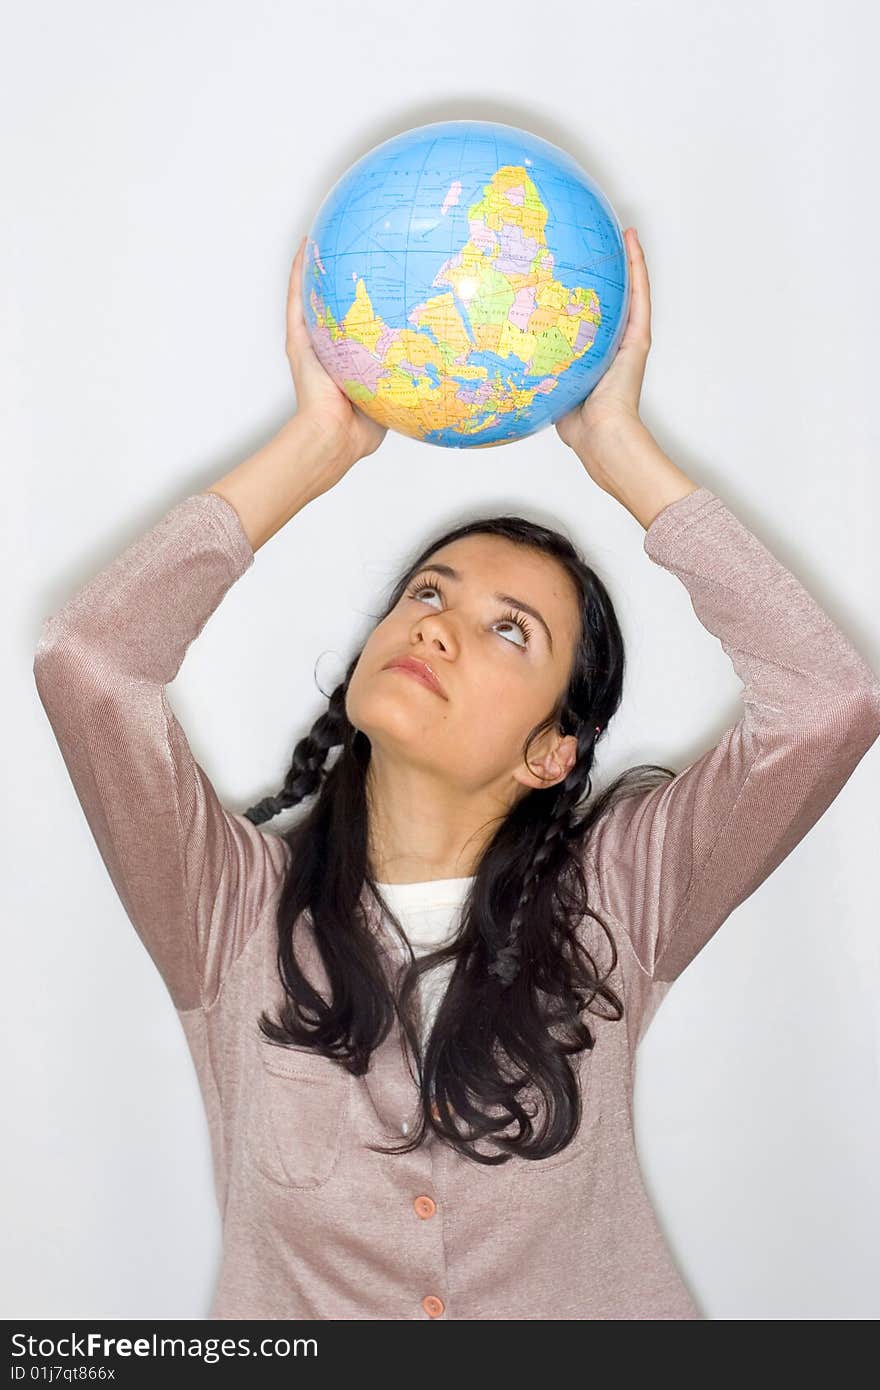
(412, 666)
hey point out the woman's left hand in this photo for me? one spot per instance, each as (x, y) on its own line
(590, 427)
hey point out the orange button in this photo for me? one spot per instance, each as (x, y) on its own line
(433, 1306)
(425, 1207)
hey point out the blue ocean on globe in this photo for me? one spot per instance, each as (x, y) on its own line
(466, 283)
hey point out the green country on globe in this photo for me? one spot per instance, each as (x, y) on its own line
(466, 283)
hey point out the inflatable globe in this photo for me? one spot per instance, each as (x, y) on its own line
(466, 283)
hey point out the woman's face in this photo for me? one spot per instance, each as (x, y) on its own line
(498, 679)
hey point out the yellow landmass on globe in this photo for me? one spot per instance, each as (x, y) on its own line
(421, 379)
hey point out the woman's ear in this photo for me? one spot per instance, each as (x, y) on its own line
(552, 766)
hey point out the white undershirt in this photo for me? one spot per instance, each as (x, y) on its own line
(429, 914)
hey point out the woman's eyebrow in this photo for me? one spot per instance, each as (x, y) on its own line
(451, 573)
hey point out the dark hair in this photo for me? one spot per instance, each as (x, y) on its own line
(520, 966)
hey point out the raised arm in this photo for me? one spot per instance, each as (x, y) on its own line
(192, 876)
(673, 863)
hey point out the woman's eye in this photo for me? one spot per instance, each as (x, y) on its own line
(510, 620)
(422, 589)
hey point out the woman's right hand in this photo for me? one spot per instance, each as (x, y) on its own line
(349, 433)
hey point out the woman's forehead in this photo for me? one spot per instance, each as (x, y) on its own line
(471, 554)
(498, 562)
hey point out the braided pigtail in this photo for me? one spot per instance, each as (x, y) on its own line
(307, 769)
(507, 959)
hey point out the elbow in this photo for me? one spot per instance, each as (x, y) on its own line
(854, 720)
(64, 672)
(53, 642)
(871, 703)
(48, 668)
(842, 729)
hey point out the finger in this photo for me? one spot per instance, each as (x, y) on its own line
(296, 325)
(294, 288)
(638, 328)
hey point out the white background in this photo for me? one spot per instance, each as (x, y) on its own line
(160, 165)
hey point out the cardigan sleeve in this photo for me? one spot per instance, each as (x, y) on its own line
(673, 863)
(191, 875)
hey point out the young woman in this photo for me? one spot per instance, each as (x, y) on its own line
(414, 1014)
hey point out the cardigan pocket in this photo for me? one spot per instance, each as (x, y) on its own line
(297, 1118)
